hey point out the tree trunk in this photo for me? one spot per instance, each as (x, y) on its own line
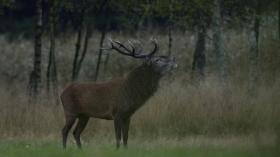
(218, 41)
(52, 45)
(35, 76)
(254, 50)
(78, 45)
(103, 12)
(279, 19)
(87, 36)
(170, 40)
(52, 70)
(78, 59)
(199, 59)
(149, 17)
(103, 34)
(170, 26)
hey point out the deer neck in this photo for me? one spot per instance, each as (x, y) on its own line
(140, 85)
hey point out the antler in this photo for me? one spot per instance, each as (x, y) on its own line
(122, 49)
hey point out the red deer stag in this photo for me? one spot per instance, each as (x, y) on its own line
(117, 99)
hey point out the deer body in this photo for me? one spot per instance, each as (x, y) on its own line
(116, 100)
(104, 100)
(91, 99)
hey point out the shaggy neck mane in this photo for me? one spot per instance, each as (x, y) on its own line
(140, 85)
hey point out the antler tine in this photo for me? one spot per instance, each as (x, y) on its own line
(133, 48)
(132, 52)
(149, 54)
(153, 52)
(141, 46)
(154, 41)
(122, 49)
(120, 45)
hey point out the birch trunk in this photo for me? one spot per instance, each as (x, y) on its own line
(199, 59)
(78, 46)
(170, 26)
(103, 34)
(279, 19)
(52, 70)
(35, 76)
(254, 50)
(85, 47)
(218, 41)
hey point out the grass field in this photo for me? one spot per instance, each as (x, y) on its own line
(175, 122)
(19, 148)
(181, 119)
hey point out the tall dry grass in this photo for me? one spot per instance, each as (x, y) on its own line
(179, 108)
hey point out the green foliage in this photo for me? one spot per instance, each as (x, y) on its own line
(137, 14)
(6, 4)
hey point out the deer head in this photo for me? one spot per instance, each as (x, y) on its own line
(160, 64)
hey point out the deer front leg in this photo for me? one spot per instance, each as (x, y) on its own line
(117, 125)
(125, 128)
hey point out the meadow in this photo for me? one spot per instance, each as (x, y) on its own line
(181, 119)
(46, 149)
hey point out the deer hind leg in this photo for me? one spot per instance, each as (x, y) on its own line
(70, 120)
(125, 128)
(118, 133)
(79, 129)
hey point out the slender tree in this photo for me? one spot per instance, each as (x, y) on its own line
(218, 41)
(199, 59)
(200, 14)
(35, 76)
(146, 16)
(85, 47)
(103, 34)
(254, 50)
(149, 19)
(170, 26)
(86, 30)
(102, 12)
(52, 69)
(279, 19)
(79, 41)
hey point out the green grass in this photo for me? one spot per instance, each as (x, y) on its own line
(51, 149)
